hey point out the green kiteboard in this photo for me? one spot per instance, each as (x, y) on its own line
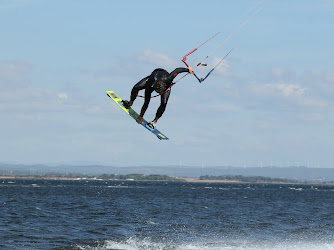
(135, 115)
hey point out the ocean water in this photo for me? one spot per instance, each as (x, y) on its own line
(37, 214)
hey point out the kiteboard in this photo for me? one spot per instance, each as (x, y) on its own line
(135, 115)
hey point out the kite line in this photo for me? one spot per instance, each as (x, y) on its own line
(201, 63)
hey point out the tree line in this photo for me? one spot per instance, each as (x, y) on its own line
(138, 177)
(252, 179)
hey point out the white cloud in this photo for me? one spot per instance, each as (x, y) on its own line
(322, 83)
(157, 59)
(311, 117)
(284, 97)
(223, 68)
(277, 71)
(63, 96)
(280, 74)
(19, 96)
(13, 75)
(94, 110)
(280, 89)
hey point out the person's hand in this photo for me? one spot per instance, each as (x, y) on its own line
(191, 71)
(139, 120)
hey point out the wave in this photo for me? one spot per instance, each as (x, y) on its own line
(134, 243)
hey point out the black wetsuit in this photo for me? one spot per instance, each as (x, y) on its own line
(147, 84)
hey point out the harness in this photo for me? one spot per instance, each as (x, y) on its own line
(168, 89)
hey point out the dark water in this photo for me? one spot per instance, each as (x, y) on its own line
(149, 215)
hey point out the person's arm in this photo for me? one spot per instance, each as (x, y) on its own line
(177, 71)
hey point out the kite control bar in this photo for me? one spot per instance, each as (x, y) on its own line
(185, 57)
(202, 79)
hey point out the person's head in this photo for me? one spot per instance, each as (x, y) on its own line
(159, 86)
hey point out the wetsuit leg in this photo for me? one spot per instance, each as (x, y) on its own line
(148, 92)
(139, 86)
(163, 104)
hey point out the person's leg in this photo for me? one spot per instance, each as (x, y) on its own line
(161, 109)
(134, 92)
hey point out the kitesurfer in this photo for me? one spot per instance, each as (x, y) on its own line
(160, 81)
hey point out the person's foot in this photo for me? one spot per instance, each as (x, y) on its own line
(139, 120)
(126, 104)
(151, 125)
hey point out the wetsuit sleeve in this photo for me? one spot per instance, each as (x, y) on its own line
(177, 71)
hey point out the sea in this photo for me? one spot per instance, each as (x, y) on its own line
(85, 214)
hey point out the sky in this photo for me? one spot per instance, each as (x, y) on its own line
(270, 103)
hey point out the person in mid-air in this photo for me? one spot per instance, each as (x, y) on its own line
(160, 81)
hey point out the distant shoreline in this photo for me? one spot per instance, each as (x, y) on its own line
(196, 180)
(188, 180)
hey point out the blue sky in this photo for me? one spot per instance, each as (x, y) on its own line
(270, 102)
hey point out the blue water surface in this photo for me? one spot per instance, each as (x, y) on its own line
(57, 214)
